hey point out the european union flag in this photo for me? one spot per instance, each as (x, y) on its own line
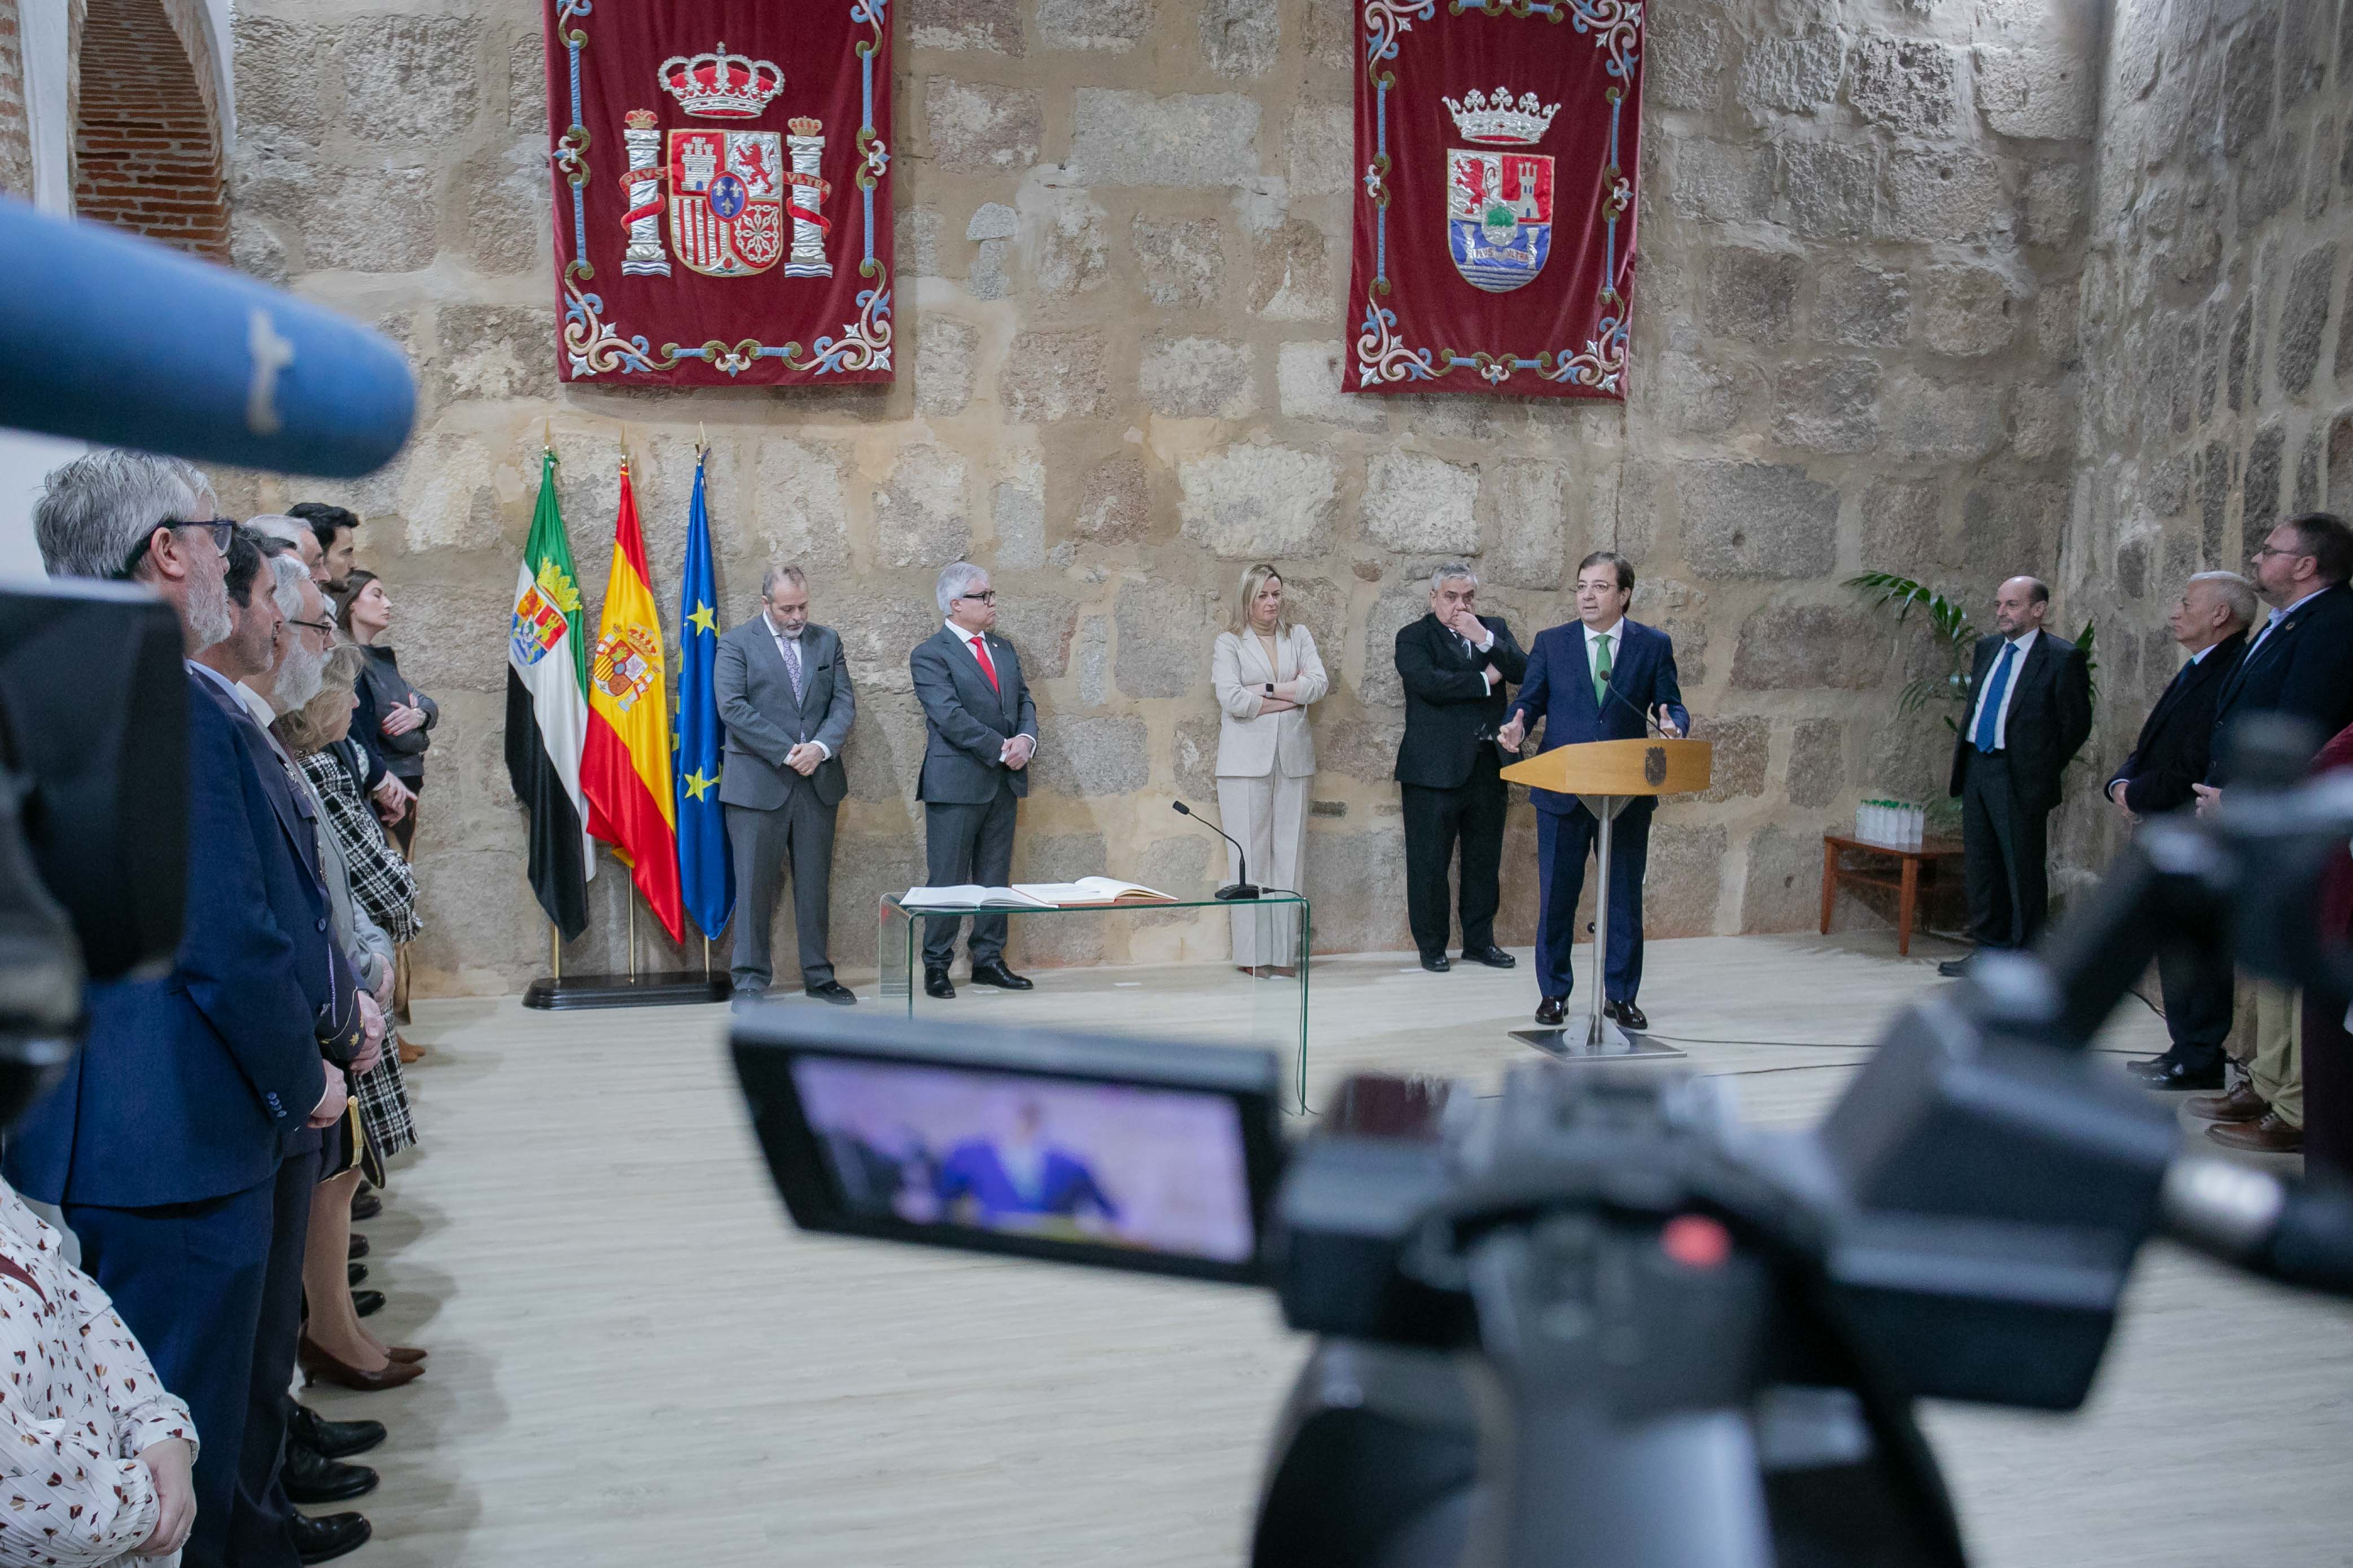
(706, 872)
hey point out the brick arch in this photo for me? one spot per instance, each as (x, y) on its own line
(147, 143)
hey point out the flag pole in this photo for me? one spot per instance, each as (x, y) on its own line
(633, 933)
(555, 949)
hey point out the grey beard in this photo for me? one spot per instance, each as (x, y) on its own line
(206, 609)
(298, 678)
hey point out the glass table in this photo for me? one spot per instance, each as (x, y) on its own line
(1201, 1001)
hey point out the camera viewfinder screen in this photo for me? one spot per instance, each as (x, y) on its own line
(1154, 1169)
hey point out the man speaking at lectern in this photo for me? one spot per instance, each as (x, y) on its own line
(1602, 678)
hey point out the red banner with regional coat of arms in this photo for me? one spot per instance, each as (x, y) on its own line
(722, 191)
(1497, 142)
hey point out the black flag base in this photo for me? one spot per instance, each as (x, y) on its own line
(677, 988)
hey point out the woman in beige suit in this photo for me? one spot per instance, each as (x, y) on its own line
(1266, 673)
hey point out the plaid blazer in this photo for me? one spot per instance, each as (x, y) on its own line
(382, 882)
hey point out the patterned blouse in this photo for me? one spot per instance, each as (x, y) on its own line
(78, 1401)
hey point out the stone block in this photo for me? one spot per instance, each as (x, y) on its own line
(1195, 378)
(994, 25)
(1716, 181)
(1323, 148)
(2040, 94)
(2166, 485)
(1688, 52)
(1238, 38)
(799, 505)
(2249, 72)
(1905, 84)
(1862, 304)
(993, 220)
(865, 867)
(1399, 605)
(923, 516)
(1797, 646)
(1365, 748)
(2211, 472)
(1113, 27)
(2011, 525)
(1094, 656)
(1827, 404)
(409, 78)
(1074, 250)
(1250, 503)
(2260, 491)
(1292, 274)
(2235, 357)
(1903, 528)
(279, 85)
(255, 251)
(1756, 519)
(2056, 312)
(504, 195)
(2304, 318)
(1421, 505)
(1966, 311)
(878, 632)
(1783, 890)
(526, 83)
(1017, 510)
(2267, 180)
(1195, 754)
(1751, 294)
(1741, 745)
(2042, 419)
(1830, 188)
(2320, 176)
(1928, 421)
(1183, 262)
(1445, 415)
(916, 236)
(1181, 868)
(1041, 630)
(883, 757)
(1115, 506)
(1817, 761)
(2304, 48)
(1684, 881)
(441, 617)
(374, 220)
(1525, 501)
(945, 353)
(1941, 193)
(493, 352)
(976, 127)
(1792, 74)
(1307, 386)
(2054, 204)
(1087, 756)
(1700, 395)
(1122, 138)
(1164, 633)
(1053, 375)
(1334, 871)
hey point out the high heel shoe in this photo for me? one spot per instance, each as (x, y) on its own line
(404, 1355)
(321, 1366)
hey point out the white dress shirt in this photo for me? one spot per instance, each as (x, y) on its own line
(778, 633)
(1614, 634)
(2024, 643)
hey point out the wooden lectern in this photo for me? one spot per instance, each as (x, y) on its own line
(1605, 775)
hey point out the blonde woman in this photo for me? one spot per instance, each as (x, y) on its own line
(1267, 674)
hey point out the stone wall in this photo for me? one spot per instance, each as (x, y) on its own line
(2220, 381)
(1123, 238)
(16, 132)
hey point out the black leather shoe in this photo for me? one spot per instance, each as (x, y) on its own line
(367, 1303)
(312, 1478)
(996, 974)
(936, 983)
(335, 1439)
(327, 1537)
(1954, 968)
(358, 1248)
(1491, 955)
(2163, 1074)
(366, 1205)
(1435, 963)
(355, 1272)
(835, 991)
(1549, 1010)
(1627, 1014)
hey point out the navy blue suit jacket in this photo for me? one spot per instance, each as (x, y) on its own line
(2304, 670)
(189, 1087)
(1559, 690)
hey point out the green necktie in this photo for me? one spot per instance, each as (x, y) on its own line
(1602, 671)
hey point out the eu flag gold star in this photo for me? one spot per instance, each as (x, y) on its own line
(703, 619)
(697, 786)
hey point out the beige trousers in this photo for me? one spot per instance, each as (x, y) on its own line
(2276, 1069)
(1268, 814)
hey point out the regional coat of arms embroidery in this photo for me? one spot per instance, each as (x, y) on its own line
(1499, 204)
(540, 615)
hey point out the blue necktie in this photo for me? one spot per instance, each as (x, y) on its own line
(1991, 713)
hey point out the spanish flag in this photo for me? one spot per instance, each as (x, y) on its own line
(625, 771)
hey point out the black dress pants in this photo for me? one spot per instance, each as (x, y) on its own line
(1435, 821)
(2200, 991)
(2005, 849)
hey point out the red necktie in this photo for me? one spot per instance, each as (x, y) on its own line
(987, 669)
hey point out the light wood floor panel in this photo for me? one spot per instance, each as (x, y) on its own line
(637, 1361)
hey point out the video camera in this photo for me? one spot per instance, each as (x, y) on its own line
(1596, 1322)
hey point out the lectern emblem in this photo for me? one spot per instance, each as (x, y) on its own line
(1654, 766)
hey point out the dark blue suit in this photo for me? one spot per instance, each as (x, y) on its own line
(1558, 690)
(165, 1141)
(975, 1170)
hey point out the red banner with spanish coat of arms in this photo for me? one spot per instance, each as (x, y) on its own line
(722, 191)
(1497, 142)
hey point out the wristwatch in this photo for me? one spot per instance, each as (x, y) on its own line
(1269, 689)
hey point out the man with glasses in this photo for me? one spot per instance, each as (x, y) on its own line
(2299, 662)
(982, 730)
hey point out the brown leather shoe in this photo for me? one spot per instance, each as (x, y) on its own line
(2268, 1136)
(411, 1055)
(319, 1366)
(2241, 1104)
(1549, 1009)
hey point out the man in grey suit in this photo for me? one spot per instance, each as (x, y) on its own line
(784, 692)
(982, 730)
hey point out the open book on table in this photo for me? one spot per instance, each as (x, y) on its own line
(971, 896)
(1092, 891)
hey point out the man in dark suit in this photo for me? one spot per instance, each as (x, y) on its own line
(981, 732)
(165, 1141)
(2030, 713)
(1454, 663)
(783, 691)
(2210, 621)
(2299, 662)
(1600, 678)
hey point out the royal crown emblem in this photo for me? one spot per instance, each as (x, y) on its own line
(721, 86)
(1497, 122)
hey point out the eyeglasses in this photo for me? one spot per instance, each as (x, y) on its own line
(2275, 550)
(987, 598)
(221, 528)
(324, 628)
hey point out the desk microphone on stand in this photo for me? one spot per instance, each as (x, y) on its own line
(1231, 890)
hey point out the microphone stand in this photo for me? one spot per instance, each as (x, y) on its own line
(1231, 891)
